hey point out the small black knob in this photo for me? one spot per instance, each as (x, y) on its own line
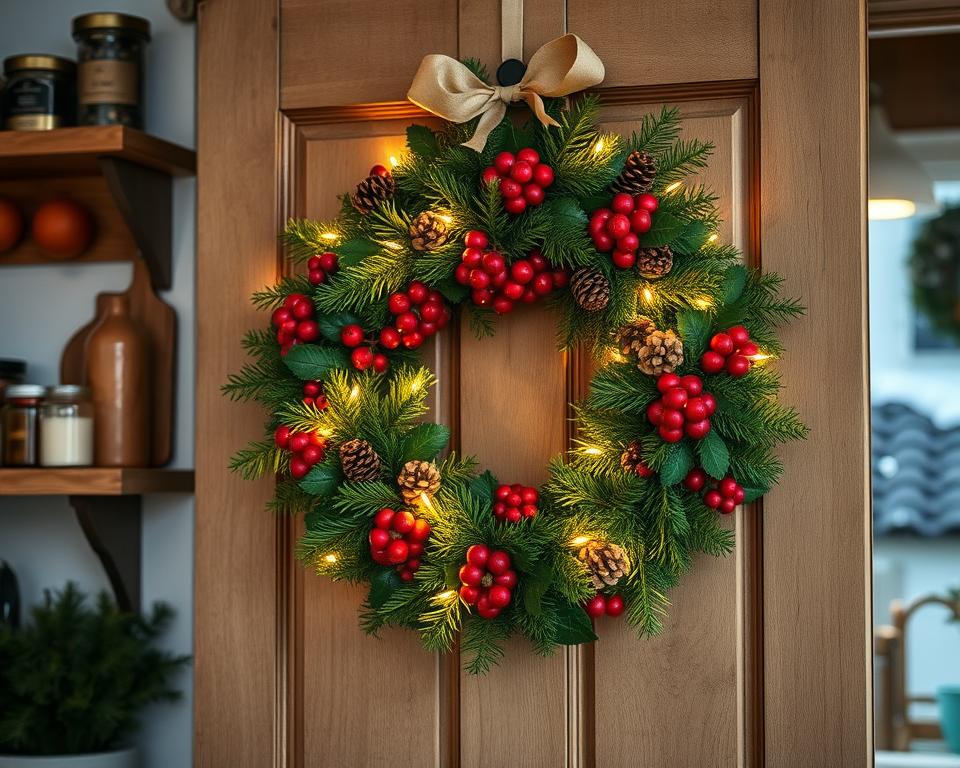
(511, 72)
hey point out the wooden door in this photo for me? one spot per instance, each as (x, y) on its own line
(764, 658)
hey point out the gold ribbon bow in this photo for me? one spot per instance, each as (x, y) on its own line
(447, 88)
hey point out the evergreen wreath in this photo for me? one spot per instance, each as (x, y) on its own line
(935, 272)
(679, 425)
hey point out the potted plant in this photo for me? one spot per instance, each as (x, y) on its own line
(73, 681)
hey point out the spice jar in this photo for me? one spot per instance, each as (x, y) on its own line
(66, 427)
(110, 68)
(39, 93)
(11, 372)
(20, 415)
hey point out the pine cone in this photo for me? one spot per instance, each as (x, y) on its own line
(637, 175)
(360, 462)
(372, 191)
(418, 477)
(632, 460)
(632, 337)
(428, 231)
(655, 262)
(607, 563)
(590, 289)
(662, 352)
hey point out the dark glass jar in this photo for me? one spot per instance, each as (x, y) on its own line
(39, 93)
(21, 429)
(110, 68)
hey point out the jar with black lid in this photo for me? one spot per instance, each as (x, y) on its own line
(39, 93)
(21, 433)
(110, 68)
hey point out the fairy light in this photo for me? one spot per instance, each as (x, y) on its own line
(758, 358)
(702, 303)
(647, 295)
(392, 245)
(592, 451)
(425, 500)
(446, 596)
(331, 558)
(673, 187)
(329, 235)
(355, 392)
(598, 147)
(446, 219)
(393, 161)
(579, 541)
(713, 238)
(415, 386)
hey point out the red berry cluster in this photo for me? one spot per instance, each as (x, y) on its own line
(295, 322)
(487, 580)
(313, 394)
(522, 178)
(307, 448)
(321, 267)
(731, 350)
(364, 356)
(500, 286)
(618, 228)
(397, 539)
(724, 496)
(514, 502)
(598, 605)
(682, 408)
(418, 312)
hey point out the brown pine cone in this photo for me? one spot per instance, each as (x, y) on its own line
(606, 563)
(418, 477)
(372, 191)
(590, 289)
(428, 231)
(360, 461)
(655, 262)
(632, 460)
(662, 352)
(637, 175)
(632, 337)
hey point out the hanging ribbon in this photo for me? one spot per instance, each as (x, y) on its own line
(447, 88)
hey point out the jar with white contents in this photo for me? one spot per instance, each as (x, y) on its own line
(66, 427)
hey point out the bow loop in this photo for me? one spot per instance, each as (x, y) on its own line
(447, 88)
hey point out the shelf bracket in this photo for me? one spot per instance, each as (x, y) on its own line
(112, 526)
(144, 197)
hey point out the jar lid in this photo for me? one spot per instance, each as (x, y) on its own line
(12, 368)
(16, 391)
(69, 392)
(13, 64)
(112, 21)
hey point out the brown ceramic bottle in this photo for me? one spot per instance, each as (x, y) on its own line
(117, 358)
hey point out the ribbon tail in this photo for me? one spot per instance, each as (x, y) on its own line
(488, 121)
(536, 104)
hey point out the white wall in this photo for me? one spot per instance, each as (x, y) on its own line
(40, 307)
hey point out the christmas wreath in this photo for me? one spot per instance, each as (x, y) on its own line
(935, 272)
(678, 428)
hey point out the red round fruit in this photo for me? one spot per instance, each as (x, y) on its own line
(416, 547)
(697, 429)
(516, 206)
(538, 262)
(510, 189)
(529, 495)
(596, 606)
(618, 226)
(696, 409)
(413, 564)
(603, 242)
(379, 538)
(542, 284)
(398, 303)
(62, 227)
(512, 291)
(695, 480)
(420, 531)
(748, 349)
(403, 521)
(498, 562)
(479, 279)
(412, 340)
(298, 442)
(476, 239)
(521, 172)
(670, 435)
(499, 279)
(362, 358)
(712, 362)
(675, 397)
(384, 518)
(293, 298)
(503, 492)
(692, 384)
(280, 316)
(490, 175)
(302, 309)
(478, 555)
(298, 467)
(667, 381)
(407, 322)
(710, 401)
(543, 175)
(738, 365)
(503, 162)
(502, 305)
(739, 334)
(499, 596)
(528, 155)
(622, 203)
(727, 506)
(727, 487)
(655, 412)
(308, 331)
(472, 257)
(417, 292)
(712, 498)
(313, 263)
(671, 418)
(481, 297)
(379, 170)
(521, 271)
(471, 575)
(351, 335)
(390, 338)
(623, 259)
(462, 273)
(312, 454)
(560, 278)
(529, 510)
(721, 344)
(485, 610)
(615, 606)
(533, 194)
(597, 225)
(397, 551)
(508, 579)
(647, 202)
(281, 436)
(316, 276)
(329, 262)
(739, 495)
(431, 311)
(629, 242)
(640, 221)
(493, 262)
(11, 225)
(469, 595)
(513, 515)
(311, 388)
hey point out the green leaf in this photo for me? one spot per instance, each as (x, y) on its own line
(451, 572)
(535, 587)
(666, 227)
(566, 212)
(575, 626)
(452, 290)
(714, 457)
(422, 141)
(331, 325)
(691, 238)
(382, 586)
(733, 283)
(483, 486)
(424, 442)
(594, 202)
(752, 493)
(677, 463)
(352, 252)
(694, 328)
(310, 361)
(322, 479)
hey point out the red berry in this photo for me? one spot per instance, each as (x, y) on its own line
(503, 162)
(412, 340)
(510, 190)
(543, 175)
(313, 263)
(697, 429)
(670, 435)
(281, 436)
(721, 344)
(643, 470)
(293, 298)
(420, 531)
(362, 358)
(384, 518)
(739, 496)
(596, 606)
(476, 239)
(479, 278)
(472, 257)
(692, 384)
(529, 510)
(502, 305)
(508, 579)
(317, 276)
(512, 291)
(478, 555)
(528, 155)
(513, 515)
(597, 225)
(298, 467)
(502, 493)
(529, 495)
(618, 226)
(748, 349)
(308, 331)
(415, 547)
(533, 194)
(489, 175)
(542, 284)
(521, 271)
(298, 442)
(516, 206)
(469, 595)
(397, 551)
(710, 401)
(623, 259)
(537, 261)
(499, 596)
(390, 338)
(498, 562)
(712, 498)
(675, 397)
(312, 454)
(671, 419)
(379, 538)
(737, 365)
(647, 202)
(629, 242)
(407, 322)
(655, 412)
(499, 279)
(603, 242)
(378, 170)
(521, 172)
(622, 203)
(328, 262)
(739, 334)
(727, 487)
(493, 263)
(398, 303)
(351, 335)
(712, 362)
(417, 292)
(615, 605)
(727, 506)
(696, 409)
(481, 297)
(640, 221)
(471, 575)
(308, 400)
(667, 381)
(380, 363)
(280, 316)
(303, 309)
(560, 278)
(403, 521)
(311, 388)
(485, 610)
(462, 274)
(695, 480)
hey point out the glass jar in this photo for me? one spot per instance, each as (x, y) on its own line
(110, 68)
(20, 416)
(66, 427)
(39, 93)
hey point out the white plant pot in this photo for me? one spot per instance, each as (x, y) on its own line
(125, 758)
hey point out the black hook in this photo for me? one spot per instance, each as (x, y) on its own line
(511, 72)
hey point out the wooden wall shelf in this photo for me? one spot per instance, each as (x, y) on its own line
(93, 481)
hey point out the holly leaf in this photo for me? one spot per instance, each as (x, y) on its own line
(322, 479)
(452, 290)
(733, 283)
(422, 141)
(310, 361)
(352, 252)
(676, 464)
(752, 493)
(565, 212)
(424, 442)
(382, 586)
(483, 486)
(714, 456)
(575, 626)
(666, 227)
(694, 328)
(691, 238)
(535, 587)
(331, 325)
(592, 203)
